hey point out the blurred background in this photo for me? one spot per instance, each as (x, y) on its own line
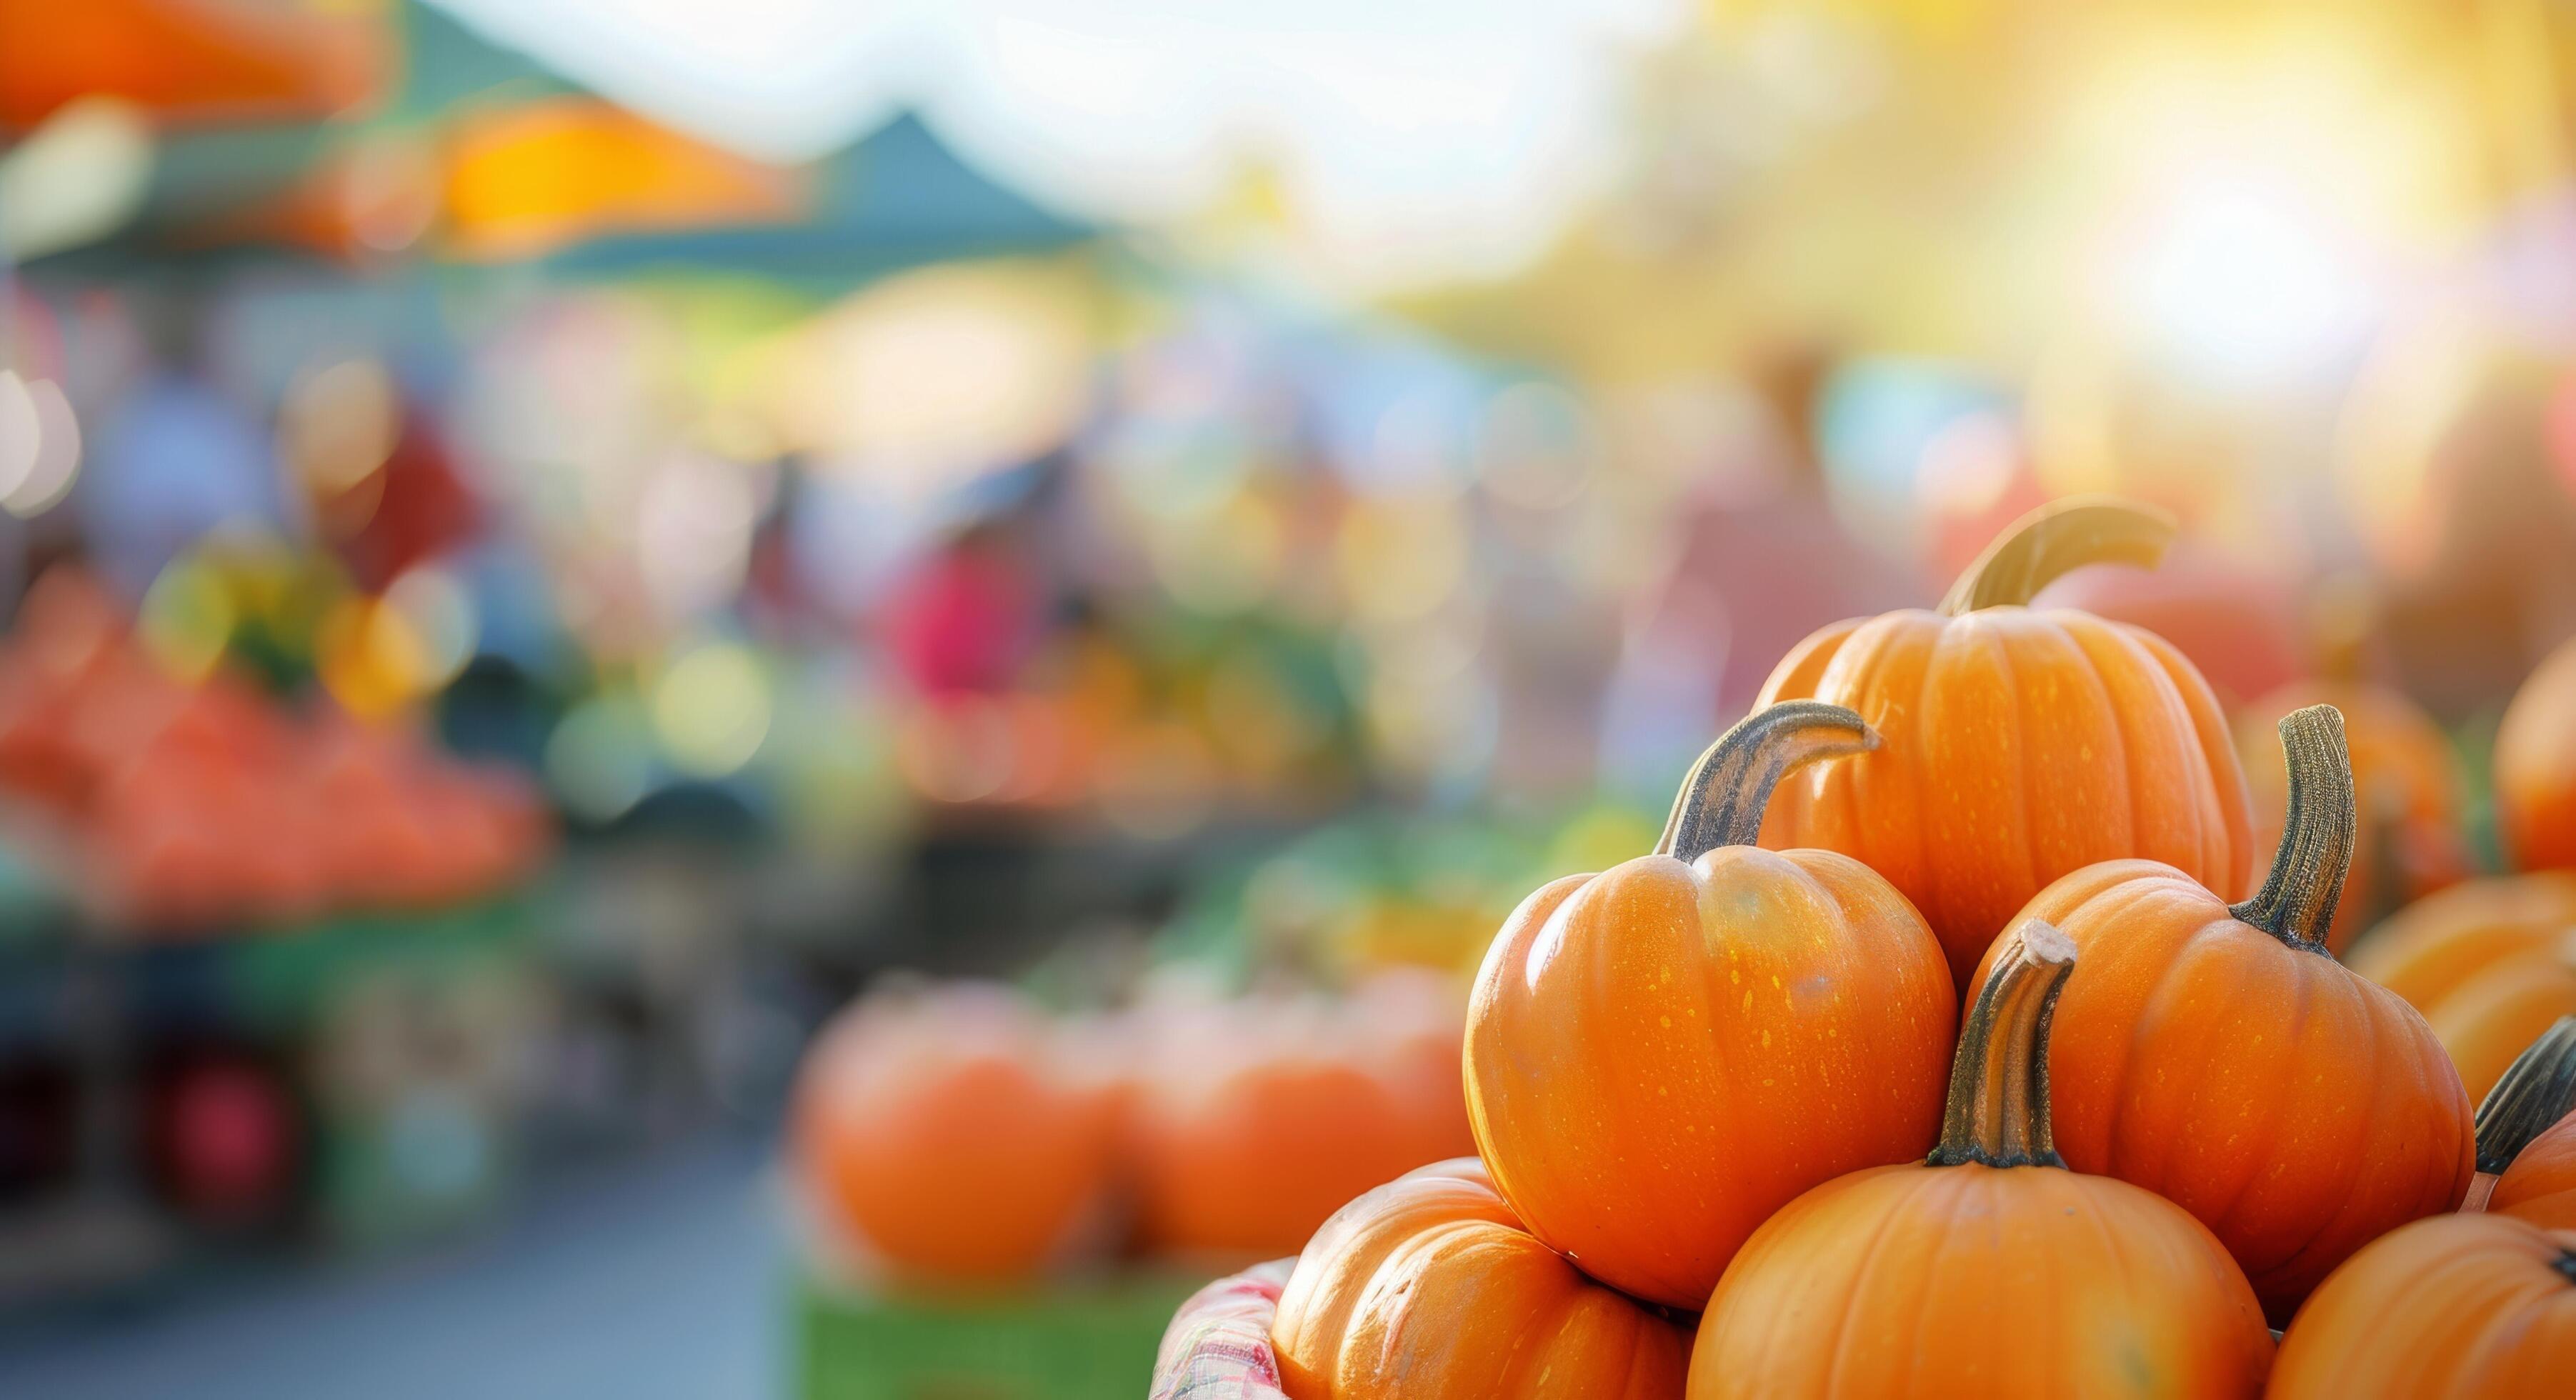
(549, 545)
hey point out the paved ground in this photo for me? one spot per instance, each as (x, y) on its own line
(664, 1279)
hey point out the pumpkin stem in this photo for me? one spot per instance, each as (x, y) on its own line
(1998, 1110)
(2055, 538)
(1723, 798)
(2298, 897)
(2535, 1093)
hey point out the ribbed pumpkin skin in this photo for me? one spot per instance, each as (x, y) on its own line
(1972, 1280)
(2294, 1108)
(2018, 746)
(2540, 1186)
(1661, 1055)
(2432, 946)
(2486, 1021)
(2458, 1307)
(2408, 843)
(2535, 766)
(1427, 1288)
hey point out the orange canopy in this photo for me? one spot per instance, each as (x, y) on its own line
(192, 61)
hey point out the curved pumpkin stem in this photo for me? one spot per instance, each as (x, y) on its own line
(1998, 1110)
(2534, 1094)
(2055, 538)
(2298, 897)
(1723, 798)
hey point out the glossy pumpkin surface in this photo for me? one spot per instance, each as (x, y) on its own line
(2535, 767)
(2220, 1057)
(2406, 785)
(939, 1135)
(1427, 1288)
(1661, 1055)
(2019, 745)
(2527, 1135)
(1989, 1270)
(2489, 963)
(2451, 1308)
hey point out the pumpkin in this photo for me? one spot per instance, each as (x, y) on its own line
(1988, 1269)
(2535, 767)
(2220, 1057)
(2021, 745)
(2241, 624)
(2450, 1308)
(1661, 1055)
(2490, 963)
(940, 1136)
(1427, 1288)
(1256, 1119)
(2404, 779)
(2527, 1135)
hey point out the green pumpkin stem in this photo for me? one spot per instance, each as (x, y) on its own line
(1998, 1110)
(1723, 798)
(2534, 1094)
(2297, 901)
(2055, 538)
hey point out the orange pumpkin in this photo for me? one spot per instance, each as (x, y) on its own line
(2403, 777)
(1427, 1288)
(1988, 1270)
(1257, 1119)
(940, 1136)
(2535, 766)
(2220, 1056)
(2458, 1307)
(1661, 1055)
(2490, 964)
(2021, 744)
(2527, 1135)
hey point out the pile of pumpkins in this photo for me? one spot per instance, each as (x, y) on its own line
(1948, 1043)
(955, 1137)
(180, 807)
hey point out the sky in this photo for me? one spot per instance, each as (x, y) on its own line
(1416, 141)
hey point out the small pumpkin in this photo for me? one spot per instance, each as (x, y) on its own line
(2219, 1056)
(1661, 1055)
(2457, 1307)
(2535, 766)
(1988, 1269)
(2404, 779)
(939, 1133)
(1427, 1288)
(2490, 963)
(2527, 1135)
(2021, 744)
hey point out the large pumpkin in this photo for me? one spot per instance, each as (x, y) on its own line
(2220, 1057)
(2241, 623)
(1427, 1288)
(1661, 1055)
(2535, 767)
(1988, 1270)
(2020, 744)
(2404, 779)
(939, 1134)
(2490, 963)
(2527, 1135)
(2458, 1307)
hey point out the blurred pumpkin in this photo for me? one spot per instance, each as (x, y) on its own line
(939, 1134)
(1661, 1055)
(2535, 767)
(1988, 1269)
(2219, 1056)
(1253, 1121)
(2238, 622)
(2490, 964)
(2450, 1308)
(1428, 1288)
(2405, 781)
(2527, 1135)
(2020, 744)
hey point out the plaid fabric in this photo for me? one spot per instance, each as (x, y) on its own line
(1218, 1346)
